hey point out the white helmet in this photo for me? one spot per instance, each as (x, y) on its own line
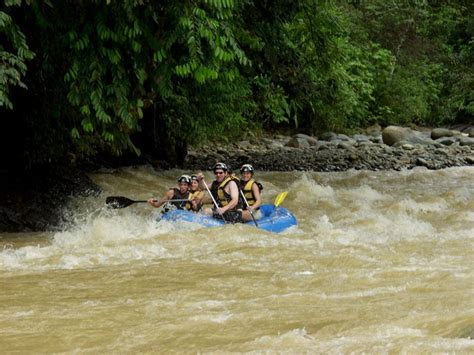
(246, 167)
(220, 166)
(184, 178)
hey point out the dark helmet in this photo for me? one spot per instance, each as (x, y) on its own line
(246, 167)
(194, 178)
(220, 166)
(185, 178)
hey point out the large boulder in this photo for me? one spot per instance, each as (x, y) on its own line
(441, 132)
(466, 141)
(327, 136)
(297, 142)
(311, 140)
(394, 134)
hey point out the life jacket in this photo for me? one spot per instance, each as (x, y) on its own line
(179, 196)
(221, 196)
(193, 194)
(246, 188)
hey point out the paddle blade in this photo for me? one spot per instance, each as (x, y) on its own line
(118, 202)
(280, 197)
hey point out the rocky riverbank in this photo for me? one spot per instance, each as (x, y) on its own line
(393, 148)
(40, 199)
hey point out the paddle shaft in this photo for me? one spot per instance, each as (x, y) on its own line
(280, 197)
(248, 207)
(122, 202)
(213, 199)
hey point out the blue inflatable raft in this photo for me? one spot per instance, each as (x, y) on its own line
(274, 219)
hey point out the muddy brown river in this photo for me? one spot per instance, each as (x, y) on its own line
(380, 262)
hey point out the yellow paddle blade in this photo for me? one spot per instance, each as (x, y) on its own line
(280, 197)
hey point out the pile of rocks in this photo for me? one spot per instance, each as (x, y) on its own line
(391, 148)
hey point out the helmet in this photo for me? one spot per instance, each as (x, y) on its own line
(221, 166)
(246, 167)
(194, 178)
(184, 178)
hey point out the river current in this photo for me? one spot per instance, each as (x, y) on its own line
(380, 262)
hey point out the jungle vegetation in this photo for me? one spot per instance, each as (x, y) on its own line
(84, 78)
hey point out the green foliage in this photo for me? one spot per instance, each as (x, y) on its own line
(214, 69)
(453, 25)
(271, 100)
(135, 46)
(13, 55)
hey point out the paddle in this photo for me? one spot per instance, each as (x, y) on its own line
(122, 202)
(249, 209)
(280, 197)
(269, 209)
(213, 199)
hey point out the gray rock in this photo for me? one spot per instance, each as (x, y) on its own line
(267, 140)
(274, 145)
(339, 154)
(446, 140)
(376, 139)
(441, 132)
(360, 138)
(344, 145)
(296, 142)
(441, 151)
(400, 143)
(421, 162)
(466, 141)
(310, 139)
(341, 137)
(395, 134)
(244, 144)
(327, 136)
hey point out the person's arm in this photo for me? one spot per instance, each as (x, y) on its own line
(198, 200)
(158, 203)
(258, 197)
(234, 196)
(202, 185)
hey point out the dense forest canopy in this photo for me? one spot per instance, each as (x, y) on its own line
(82, 78)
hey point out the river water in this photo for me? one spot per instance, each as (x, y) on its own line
(380, 262)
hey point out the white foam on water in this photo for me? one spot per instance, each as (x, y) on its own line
(296, 340)
(104, 240)
(409, 205)
(365, 293)
(219, 318)
(304, 273)
(307, 192)
(361, 248)
(379, 338)
(23, 314)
